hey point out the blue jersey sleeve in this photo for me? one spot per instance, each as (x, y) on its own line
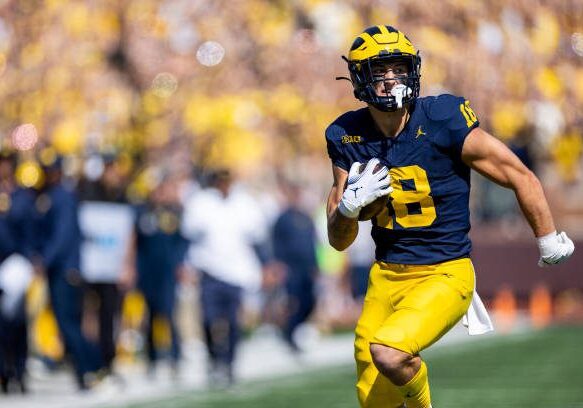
(334, 134)
(455, 114)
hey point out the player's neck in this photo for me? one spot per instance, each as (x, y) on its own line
(390, 123)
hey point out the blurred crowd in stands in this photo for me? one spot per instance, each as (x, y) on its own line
(116, 114)
(250, 83)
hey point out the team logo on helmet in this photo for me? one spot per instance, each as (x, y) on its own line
(376, 46)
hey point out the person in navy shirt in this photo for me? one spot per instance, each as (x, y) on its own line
(294, 247)
(157, 255)
(58, 250)
(415, 153)
(16, 237)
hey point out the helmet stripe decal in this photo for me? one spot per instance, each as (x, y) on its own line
(384, 30)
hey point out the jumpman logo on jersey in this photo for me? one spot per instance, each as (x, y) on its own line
(420, 132)
(355, 189)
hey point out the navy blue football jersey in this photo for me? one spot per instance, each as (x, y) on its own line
(427, 219)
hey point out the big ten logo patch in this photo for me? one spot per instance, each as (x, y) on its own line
(351, 139)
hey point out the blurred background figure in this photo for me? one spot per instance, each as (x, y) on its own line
(58, 240)
(16, 234)
(360, 255)
(102, 179)
(155, 262)
(106, 223)
(228, 237)
(294, 247)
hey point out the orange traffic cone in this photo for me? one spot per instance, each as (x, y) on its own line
(504, 305)
(540, 306)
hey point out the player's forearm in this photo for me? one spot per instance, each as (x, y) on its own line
(534, 205)
(341, 230)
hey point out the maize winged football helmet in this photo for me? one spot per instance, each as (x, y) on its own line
(379, 45)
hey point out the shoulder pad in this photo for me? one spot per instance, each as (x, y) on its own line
(346, 124)
(443, 107)
(454, 114)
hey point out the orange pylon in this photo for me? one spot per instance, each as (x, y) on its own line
(540, 306)
(504, 305)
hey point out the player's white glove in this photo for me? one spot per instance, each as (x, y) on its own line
(554, 248)
(363, 188)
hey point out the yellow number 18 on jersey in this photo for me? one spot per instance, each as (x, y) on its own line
(411, 200)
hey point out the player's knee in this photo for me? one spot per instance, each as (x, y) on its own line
(390, 362)
(387, 359)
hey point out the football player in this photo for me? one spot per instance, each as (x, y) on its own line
(422, 282)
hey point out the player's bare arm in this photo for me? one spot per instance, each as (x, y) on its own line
(491, 158)
(341, 230)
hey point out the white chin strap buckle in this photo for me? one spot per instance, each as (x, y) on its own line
(399, 91)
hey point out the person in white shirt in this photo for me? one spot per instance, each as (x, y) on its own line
(227, 231)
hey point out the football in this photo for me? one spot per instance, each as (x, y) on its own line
(374, 208)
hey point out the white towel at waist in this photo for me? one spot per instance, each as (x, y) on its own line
(476, 319)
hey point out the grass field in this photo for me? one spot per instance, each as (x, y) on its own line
(533, 370)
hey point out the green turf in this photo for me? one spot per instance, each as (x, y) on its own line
(533, 370)
(543, 369)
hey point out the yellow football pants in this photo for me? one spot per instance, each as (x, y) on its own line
(407, 307)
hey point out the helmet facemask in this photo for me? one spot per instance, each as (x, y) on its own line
(365, 77)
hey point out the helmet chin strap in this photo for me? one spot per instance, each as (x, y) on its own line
(400, 91)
